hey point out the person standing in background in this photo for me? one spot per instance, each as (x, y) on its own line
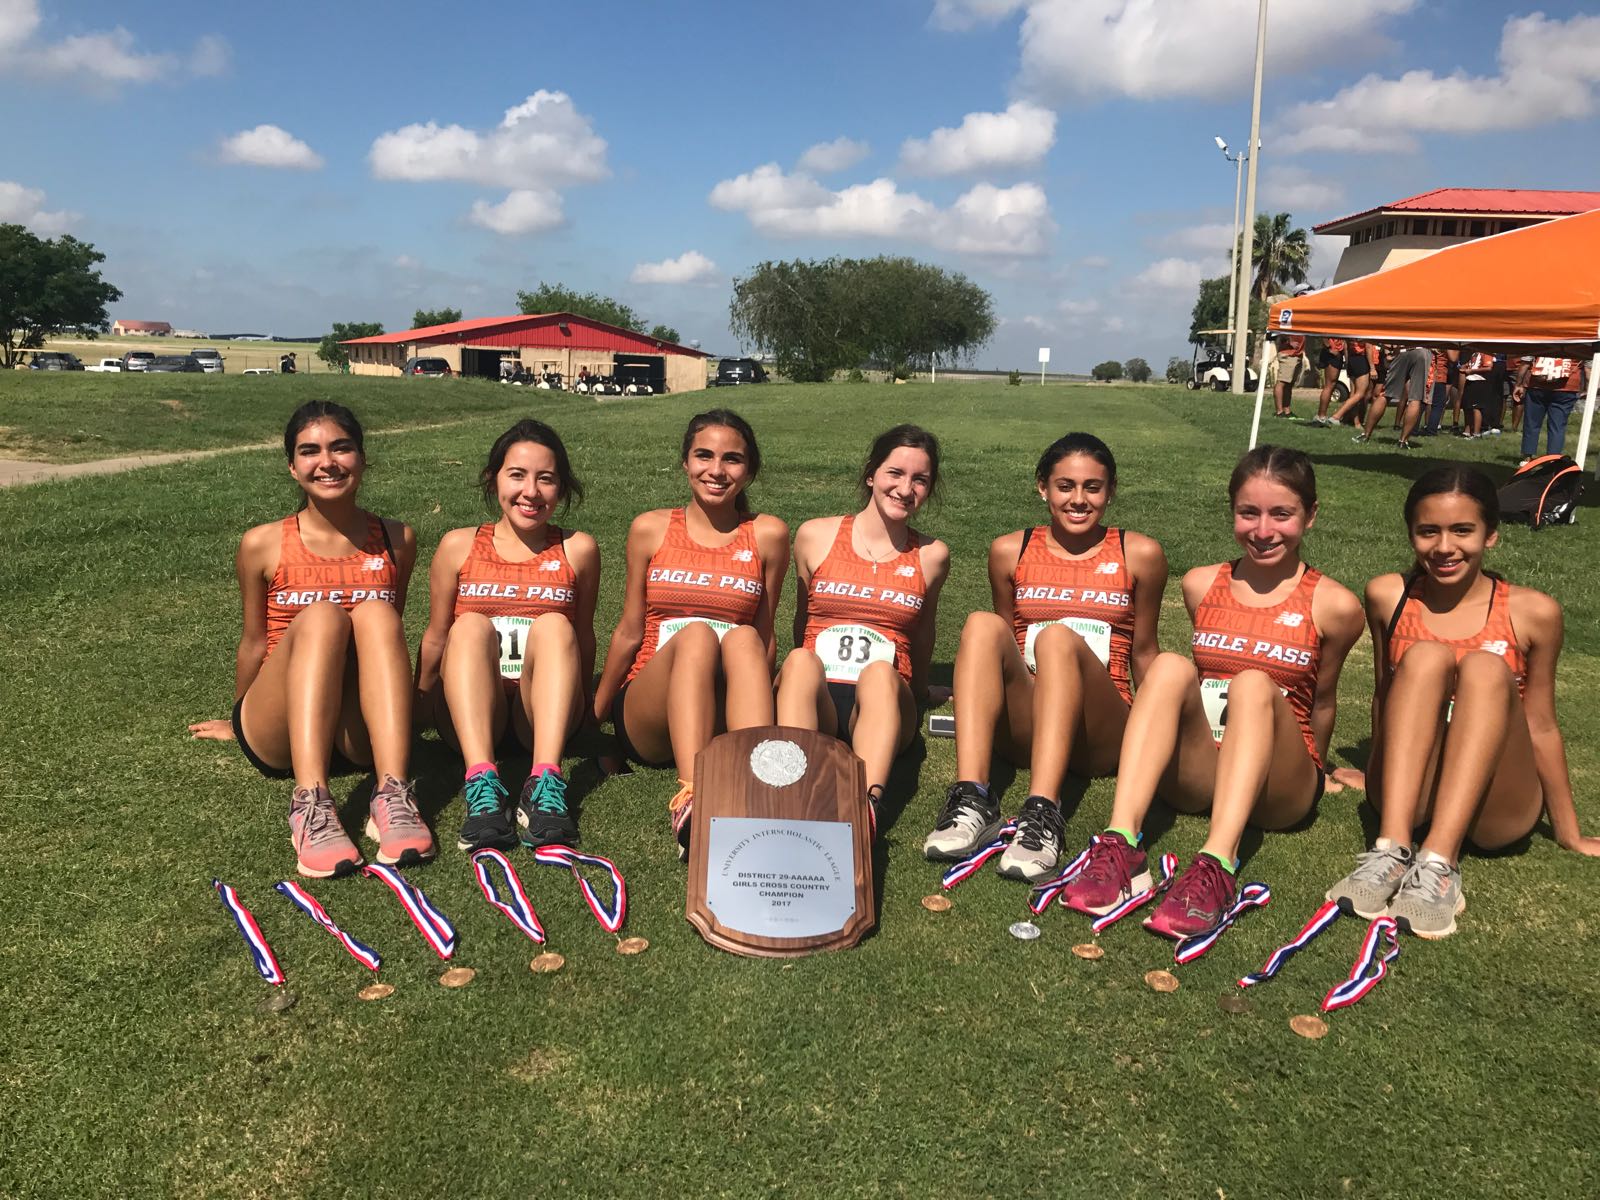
(1549, 387)
(1291, 357)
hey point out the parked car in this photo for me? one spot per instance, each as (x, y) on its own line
(110, 365)
(137, 360)
(166, 363)
(435, 368)
(210, 360)
(54, 360)
(258, 371)
(731, 371)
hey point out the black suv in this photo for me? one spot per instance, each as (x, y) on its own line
(54, 360)
(731, 371)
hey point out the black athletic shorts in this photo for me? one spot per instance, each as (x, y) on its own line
(1358, 365)
(629, 751)
(843, 696)
(1329, 359)
(1480, 395)
(339, 765)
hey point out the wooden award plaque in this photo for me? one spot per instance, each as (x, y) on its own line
(780, 848)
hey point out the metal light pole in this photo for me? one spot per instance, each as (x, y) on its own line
(1241, 346)
(1233, 246)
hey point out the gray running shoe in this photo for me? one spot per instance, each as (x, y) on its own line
(968, 821)
(1429, 899)
(1036, 849)
(1367, 890)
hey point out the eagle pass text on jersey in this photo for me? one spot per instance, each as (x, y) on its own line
(303, 578)
(1281, 640)
(687, 582)
(1496, 637)
(1092, 596)
(515, 594)
(859, 612)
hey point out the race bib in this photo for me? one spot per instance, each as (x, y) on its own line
(847, 650)
(1097, 634)
(669, 628)
(512, 634)
(1214, 695)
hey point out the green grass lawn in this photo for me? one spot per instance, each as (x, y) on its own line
(940, 1057)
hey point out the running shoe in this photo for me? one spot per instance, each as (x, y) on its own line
(321, 846)
(1113, 872)
(1196, 901)
(1429, 899)
(1367, 890)
(1404, 445)
(1036, 849)
(395, 824)
(969, 820)
(1361, 439)
(1495, 432)
(542, 815)
(487, 823)
(680, 808)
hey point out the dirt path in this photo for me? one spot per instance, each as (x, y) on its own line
(16, 472)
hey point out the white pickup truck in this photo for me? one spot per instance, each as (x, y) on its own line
(107, 364)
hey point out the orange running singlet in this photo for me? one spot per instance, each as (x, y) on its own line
(303, 578)
(1496, 637)
(860, 612)
(513, 594)
(687, 582)
(1282, 640)
(1093, 596)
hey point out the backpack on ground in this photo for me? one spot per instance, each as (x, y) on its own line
(1544, 492)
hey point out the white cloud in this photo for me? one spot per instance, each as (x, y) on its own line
(1018, 137)
(1171, 275)
(25, 206)
(525, 210)
(986, 220)
(1295, 188)
(827, 157)
(269, 146)
(964, 14)
(211, 56)
(689, 267)
(1325, 254)
(542, 143)
(1549, 70)
(100, 59)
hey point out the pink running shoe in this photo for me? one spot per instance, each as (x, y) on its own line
(680, 809)
(1114, 872)
(321, 847)
(394, 823)
(1196, 901)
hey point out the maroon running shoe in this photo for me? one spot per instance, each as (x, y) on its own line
(1114, 872)
(1196, 901)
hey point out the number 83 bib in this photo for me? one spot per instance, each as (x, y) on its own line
(847, 650)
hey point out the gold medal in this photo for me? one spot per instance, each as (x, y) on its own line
(1309, 1027)
(1233, 1002)
(376, 991)
(936, 903)
(1089, 951)
(457, 977)
(1161, 981)
(547, 962)
(633, 945)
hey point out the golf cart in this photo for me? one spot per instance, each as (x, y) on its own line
(1213, 364)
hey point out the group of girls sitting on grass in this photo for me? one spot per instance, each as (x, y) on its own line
(1063, 675)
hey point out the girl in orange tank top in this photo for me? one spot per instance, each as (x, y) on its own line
(1242, 728)
(1047, 676)
(1465, 701)
(693, 652)
(864, 617)
(322, 668)
(509, 646)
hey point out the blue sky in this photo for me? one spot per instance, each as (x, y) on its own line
(280, 169)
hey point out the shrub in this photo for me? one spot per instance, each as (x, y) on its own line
(1014, 379)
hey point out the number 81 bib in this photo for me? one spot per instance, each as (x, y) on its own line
(847, 650)
(512, 634)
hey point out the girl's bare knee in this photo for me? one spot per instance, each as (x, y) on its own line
(986, 626)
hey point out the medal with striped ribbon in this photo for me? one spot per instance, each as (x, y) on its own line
(266, 962)
(1324, 916)
(1370, 967)
(1044, 894)
(973, 863)
(307, 903)
(611, 916)
(518, 908)
(1168, 866)
(1251, 895)
(434, 926)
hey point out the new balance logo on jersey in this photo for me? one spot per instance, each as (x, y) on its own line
(1291, 619)
(375, 563)
(907, 571)
(1499, 646)
(743, 555)
(1106, 569)
(550, 564)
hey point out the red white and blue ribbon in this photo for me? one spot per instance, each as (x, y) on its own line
(974, 863)
(611, 916)
(1168, 866)
(517, 908)
(1324, 917)
(1370, 967)
(307, 903)
(1252, 895)
(434, 926)
(266, 962)
(1044, 894)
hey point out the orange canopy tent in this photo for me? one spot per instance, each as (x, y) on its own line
(1533, 288)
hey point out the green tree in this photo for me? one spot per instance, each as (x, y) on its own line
(425, 317)
(664, 333)
(1211, 312)
(335, 355)
(1107, 371)
(1179, 370)
(556, 297)
(48, 286)
(1282, 255)
(1138, 370)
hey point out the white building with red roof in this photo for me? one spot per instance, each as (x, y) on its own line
(1393, 234)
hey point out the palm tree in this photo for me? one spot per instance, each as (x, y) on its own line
(1282, 254)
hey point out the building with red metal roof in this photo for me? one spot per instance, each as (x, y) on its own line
(563, 343)
(120, 328)
(1406, 230)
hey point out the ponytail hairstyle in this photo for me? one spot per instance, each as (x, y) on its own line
(313, 411)
(529, 430)
(727, 419)
(890, 440)
(1076, 443)
(1291, 468)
